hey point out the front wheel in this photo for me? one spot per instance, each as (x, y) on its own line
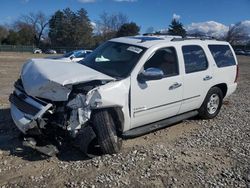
(104, 126)
(212, 104)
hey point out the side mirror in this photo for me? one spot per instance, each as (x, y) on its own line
(150, 74)
(72, 57)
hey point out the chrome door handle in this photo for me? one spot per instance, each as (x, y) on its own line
(207, 78)
(175, 85)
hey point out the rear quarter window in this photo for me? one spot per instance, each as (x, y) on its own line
(223, 55)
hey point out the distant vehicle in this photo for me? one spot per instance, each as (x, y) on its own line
(73, 56)
(50, 51)
(247, 52)
(37, 51)
(77, 55)
(61, 51)
(239, 52)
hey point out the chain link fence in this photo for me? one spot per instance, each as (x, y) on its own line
(21, 48)
(16, 48)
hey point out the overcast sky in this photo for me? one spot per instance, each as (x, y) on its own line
(146, 13)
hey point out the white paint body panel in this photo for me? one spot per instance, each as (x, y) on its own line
(195, 87)
(192, 92)
(153, 101)
(52, 79)
(116, 94)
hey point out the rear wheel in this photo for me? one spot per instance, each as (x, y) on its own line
(106, 132)
(212, 104)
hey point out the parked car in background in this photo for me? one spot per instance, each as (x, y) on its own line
(76, 55)
(239, 52)
(61, 51)
(247, 52)
(37, 51)
(50, 51)
(73, 56)
(242, 52)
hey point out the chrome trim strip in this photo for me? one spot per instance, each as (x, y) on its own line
(145, 109)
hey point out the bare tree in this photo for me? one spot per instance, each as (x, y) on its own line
(37, 22)
(109, 24)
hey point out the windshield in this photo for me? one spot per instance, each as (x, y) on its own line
(114, 59)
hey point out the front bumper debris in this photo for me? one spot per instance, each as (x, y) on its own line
(49, 149)
(27, 111)
(28, 114)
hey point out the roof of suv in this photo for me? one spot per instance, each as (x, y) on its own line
(149, 41)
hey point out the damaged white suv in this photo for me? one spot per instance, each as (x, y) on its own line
(127, 87)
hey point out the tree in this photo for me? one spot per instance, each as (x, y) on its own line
(84, 29)
(56, 29)
(109, 24)
(37, 24)
(25, 37)
(176, 28)
(3, 33)
(12, 38)
(128, 29)
(68, 28)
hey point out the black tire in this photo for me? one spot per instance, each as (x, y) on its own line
(104, 126)
(207, 111)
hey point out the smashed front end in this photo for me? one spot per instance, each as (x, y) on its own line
(48, 112)
(45, 123)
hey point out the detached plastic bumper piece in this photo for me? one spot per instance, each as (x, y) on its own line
(49, 150)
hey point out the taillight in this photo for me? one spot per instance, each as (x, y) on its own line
(237, 74)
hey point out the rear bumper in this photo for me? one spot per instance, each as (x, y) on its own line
(25, 111)
(231, 88)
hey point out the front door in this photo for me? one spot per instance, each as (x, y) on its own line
(155, 100)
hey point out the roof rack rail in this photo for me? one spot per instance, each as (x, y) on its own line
(155, 34)
(148, 34)
(160, 34)
(193, 38)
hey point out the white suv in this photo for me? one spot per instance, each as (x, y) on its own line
(127, 87)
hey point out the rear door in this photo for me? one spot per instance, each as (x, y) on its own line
(198, 77)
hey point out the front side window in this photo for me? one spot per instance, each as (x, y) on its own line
(114, 59)
(166, 60)
(222, 54)
(194, 58)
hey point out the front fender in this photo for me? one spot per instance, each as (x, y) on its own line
(114, 95)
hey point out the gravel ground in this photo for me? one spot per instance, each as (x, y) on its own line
(194, 153)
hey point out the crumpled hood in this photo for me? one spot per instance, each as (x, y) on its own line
(53, 80)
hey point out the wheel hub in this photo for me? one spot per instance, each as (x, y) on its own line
(213, 104)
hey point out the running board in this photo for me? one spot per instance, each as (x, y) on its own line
(145, 129)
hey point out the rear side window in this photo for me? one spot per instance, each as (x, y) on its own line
(222, 54)
(194, 58)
